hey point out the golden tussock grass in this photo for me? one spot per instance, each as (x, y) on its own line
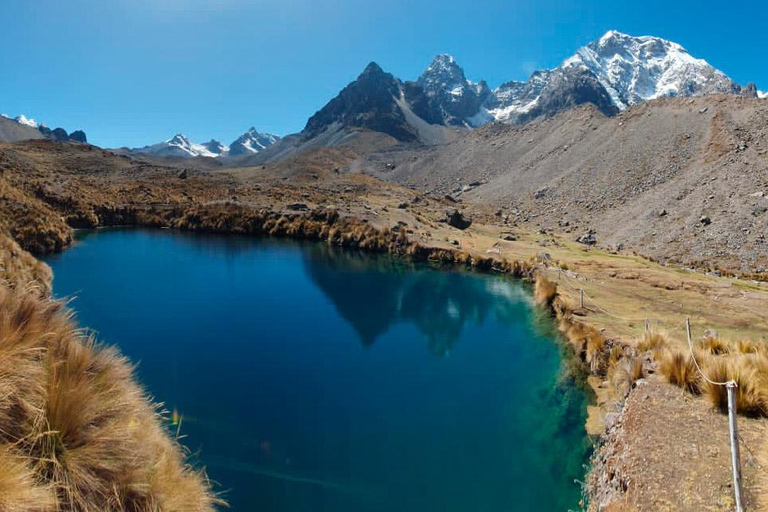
(652, 341)
(680, 370)
(589, 344)
(751, 391)
(76, 431)
(714, 346)
(544, 291)
(743, 362)
(20, 270)
(625, 373)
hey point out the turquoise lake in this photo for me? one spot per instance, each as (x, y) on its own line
(310, 378)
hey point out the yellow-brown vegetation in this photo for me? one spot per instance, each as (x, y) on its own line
(76, 431)
(652, 341)
(625, 373)
(680, 370)
(713, 345)
(544, 291)
(751, 391)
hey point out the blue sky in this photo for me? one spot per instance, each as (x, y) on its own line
(134, 72)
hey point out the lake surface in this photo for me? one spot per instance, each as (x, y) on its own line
(309, 378)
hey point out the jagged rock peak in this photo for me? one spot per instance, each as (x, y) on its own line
(640, 68)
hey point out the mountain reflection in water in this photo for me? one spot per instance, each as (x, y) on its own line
(374, 292)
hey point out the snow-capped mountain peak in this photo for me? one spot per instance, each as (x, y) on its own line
(453, 99)
(216, 147)
(443, 74)
(251, 142)
(22, 119)
(639, 68)
(182, 144)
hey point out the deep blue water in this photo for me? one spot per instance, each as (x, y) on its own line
(315, 379)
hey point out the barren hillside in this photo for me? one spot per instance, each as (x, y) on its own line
(677, 179)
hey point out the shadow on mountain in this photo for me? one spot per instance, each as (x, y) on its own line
(372, 293)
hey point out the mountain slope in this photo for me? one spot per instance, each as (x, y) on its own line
(13, 131)
(251, 142)
(22, 128)
(677, 178)
(369, 102)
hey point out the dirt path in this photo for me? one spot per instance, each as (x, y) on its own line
(669, 451)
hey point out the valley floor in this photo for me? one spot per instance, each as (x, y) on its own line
(665, 450)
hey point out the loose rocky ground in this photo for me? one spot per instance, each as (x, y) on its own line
(682, 180)
(669, 451)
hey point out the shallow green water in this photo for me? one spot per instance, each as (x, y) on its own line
(313, 379)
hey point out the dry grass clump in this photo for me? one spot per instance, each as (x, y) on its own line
(680, 370)
(589, 343)
(624, 374)
(749, 347)
(652, 341)
(751, 392)
(76, 431)
(20, 270)
(544, 291)
(713, 345)
(744, 362)
(20, 488)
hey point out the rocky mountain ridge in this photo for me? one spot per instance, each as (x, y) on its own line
(250, 143)
(23, 128)
(611, 73)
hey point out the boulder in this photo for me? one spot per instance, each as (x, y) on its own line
(298, 207)
(456, 219)
(588, 238)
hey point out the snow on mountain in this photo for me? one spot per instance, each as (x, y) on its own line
(181, 146)
(251, 142)
(215, 147)
(452, 98)
(516, 98)
(762, 94)
(629, 69)
(634, 69)
(178, 145)
(22, 119)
